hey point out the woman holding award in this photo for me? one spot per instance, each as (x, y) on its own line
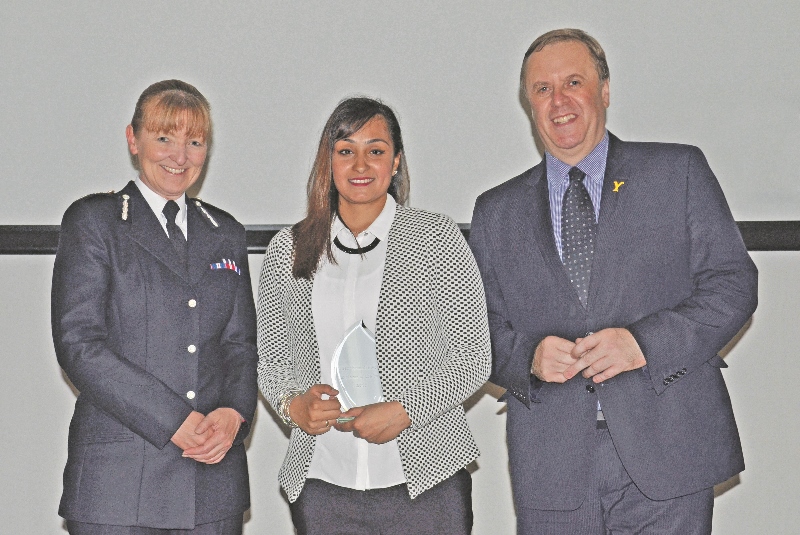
(372, 332)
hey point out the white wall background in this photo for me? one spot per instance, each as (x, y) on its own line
(721, 75)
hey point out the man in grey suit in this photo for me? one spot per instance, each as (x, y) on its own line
(154, 323)
(614, 274)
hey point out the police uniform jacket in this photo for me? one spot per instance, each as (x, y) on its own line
(146, 341)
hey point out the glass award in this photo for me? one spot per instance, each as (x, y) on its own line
(354, 369)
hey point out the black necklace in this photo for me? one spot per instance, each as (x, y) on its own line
(359, 250)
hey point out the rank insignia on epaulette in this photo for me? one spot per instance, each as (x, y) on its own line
(227, 264)
(125, 199)
(205, 213)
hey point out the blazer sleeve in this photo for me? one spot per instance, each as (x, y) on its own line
(276, 374)
(81, 292)
(461, 308)
(675, 341)
(512, 351)
(238, 342)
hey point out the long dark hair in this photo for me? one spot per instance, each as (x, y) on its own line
(311, 236)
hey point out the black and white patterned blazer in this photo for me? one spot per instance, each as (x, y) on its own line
(432, 344)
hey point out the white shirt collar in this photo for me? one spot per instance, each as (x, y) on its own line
(379, 228)
(157, 203)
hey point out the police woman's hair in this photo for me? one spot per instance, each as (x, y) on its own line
(173, 105)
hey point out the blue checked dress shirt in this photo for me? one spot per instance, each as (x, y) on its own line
(594, 165)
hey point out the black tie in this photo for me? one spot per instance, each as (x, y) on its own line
(175, 235)
(578, 229)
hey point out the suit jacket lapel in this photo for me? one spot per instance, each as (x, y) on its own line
(540, 225)
(146, 230)
(614, 179)
(609, 233)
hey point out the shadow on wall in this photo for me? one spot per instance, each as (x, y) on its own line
(735, 340)
(488, 389)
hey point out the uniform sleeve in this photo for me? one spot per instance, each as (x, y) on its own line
(238, 341)
(81, 292)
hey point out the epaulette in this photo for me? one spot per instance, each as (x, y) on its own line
(98, 194)
(122, 200)
(200, 208)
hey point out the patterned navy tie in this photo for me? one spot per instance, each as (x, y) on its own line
(578, 229)
(176, 236)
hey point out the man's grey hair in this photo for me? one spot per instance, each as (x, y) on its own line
(568, 34)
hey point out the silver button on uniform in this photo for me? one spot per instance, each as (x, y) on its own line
(192, 303)
(191, 348)
(190, 394)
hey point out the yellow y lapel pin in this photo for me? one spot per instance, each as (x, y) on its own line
(617, 185)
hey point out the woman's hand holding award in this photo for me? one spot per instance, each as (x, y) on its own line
(354, 370)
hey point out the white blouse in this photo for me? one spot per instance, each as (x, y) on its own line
(344, 294)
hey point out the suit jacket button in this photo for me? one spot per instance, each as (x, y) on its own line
(590, 389)
(191, 349)
(190, 394)
(192, 303)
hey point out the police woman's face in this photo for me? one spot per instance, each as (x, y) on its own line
(169, 162)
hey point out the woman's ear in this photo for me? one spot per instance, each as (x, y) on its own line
(131, 140)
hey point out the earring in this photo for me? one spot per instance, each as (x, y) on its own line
(395, 172)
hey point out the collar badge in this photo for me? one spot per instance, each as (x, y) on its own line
(125, 198)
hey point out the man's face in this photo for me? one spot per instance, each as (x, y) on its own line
(568, 101)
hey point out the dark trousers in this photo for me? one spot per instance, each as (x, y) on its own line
(326, 509)
(615, 506)
(228, 526)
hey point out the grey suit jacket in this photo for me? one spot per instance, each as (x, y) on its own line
(671, 267)
(431, 335)
(124, 314)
